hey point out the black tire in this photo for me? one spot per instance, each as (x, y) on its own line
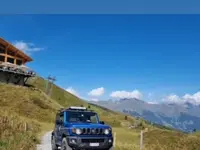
(53, 143)
(64, 145)
(112, 148)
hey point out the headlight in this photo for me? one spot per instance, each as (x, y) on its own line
(106, 131)
(78, 131)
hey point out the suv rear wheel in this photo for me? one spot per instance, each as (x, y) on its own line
(64, 145)
(53, 143)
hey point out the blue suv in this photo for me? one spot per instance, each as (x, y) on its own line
(77, 128)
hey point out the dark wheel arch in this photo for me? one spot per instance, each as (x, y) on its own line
(64, 145)
(53, 143)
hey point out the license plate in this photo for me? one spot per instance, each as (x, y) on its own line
(94, 144)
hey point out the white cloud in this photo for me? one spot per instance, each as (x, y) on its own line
(27, 48)
(194, 98)
(153, 103)
(173, 98)
(72, 91)
(97, 92)
(125, 94)
(95, 99)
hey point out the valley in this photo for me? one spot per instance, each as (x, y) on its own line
(30, 113)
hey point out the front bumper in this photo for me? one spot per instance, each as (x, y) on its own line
(90, 142)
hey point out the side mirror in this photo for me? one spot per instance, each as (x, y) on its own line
(102, 122)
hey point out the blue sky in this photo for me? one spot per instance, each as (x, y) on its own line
(150, 56)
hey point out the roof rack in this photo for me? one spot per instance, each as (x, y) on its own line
(75, 108)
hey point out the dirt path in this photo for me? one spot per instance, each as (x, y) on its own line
(45, 142)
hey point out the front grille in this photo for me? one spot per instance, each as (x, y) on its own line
(92, 140)
(97, 131)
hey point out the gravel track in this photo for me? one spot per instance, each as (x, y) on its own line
(45, 142)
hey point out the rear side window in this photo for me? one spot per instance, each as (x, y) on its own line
(62, 117)
(59, 117)
(19, 62)
(2, 49)
(2, 58)
(10, 60)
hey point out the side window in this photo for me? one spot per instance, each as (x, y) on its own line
(2, 49)
(18, 62)
(57, 118)
(93, 119)
(2, 58)
(10, 60)
(62, 117)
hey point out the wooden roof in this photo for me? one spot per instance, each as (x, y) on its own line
(15, 50)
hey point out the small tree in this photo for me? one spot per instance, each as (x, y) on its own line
(194, 130)
(126, 118)
(88, 106)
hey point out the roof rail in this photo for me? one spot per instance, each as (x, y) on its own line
(77, 108)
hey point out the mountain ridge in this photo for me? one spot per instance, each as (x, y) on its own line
(184, 116)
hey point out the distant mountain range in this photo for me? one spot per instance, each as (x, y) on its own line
(185, 116)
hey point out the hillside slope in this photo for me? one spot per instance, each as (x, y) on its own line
(33, 106)
(127, 139)
(24, 113)
(66, 99)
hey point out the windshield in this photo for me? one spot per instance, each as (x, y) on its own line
(84, 117)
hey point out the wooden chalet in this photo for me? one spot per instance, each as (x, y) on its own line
(12, 64)
(11, 54)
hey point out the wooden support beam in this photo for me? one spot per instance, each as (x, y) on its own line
(25, 80)
(6, 54)
(15, 57)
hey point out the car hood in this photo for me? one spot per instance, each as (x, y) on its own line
(88, 125)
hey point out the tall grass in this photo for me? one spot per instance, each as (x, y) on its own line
(16, 133)
(23, 113)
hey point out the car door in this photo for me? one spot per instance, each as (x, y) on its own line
(56, 130)
(60, 126)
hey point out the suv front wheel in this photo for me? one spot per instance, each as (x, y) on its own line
(65, 145)
(53, 143)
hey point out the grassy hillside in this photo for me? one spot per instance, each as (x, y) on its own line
(27, 112)
(158, 139)
(66, 99)
(23, 113)
(58, 94)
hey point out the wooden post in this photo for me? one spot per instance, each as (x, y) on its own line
(141, 140)
(25, 126)
(114, 142)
